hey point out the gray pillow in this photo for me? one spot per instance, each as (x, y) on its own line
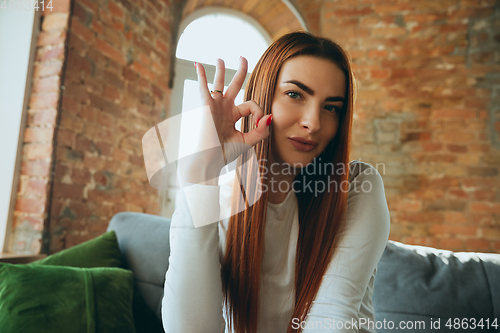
(418, 283)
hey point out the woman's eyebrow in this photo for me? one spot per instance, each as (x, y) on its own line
(311, 92)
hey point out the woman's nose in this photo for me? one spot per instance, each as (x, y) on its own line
(310, 119)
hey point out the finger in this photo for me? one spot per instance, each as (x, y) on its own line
(260, 133)
(203, 85)
(238, 79)
(220, 72)
(247, 108)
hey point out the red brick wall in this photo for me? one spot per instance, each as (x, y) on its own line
(115, 87)
(429, 79)
(33, 200)
(428, 110)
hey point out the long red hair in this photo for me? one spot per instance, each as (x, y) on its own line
(320, 215)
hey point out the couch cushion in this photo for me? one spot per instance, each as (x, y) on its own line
(145, 244)
(102, 251)
(44, 298)
(423, 283)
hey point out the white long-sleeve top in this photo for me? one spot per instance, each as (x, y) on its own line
(193, 296)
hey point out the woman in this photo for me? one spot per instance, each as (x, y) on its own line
(303, 256)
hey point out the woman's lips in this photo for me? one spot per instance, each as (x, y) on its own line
(302, 146)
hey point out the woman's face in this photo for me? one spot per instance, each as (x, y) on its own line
(309, 95)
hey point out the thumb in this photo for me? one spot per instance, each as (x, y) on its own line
(260, 132)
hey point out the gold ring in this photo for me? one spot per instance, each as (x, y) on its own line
(212, 91)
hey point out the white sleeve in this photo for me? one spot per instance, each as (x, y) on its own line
(192, 301)
(362, 243)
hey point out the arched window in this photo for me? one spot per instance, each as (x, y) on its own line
(206, 35)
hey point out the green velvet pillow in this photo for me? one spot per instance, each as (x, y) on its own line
(102, 251)
(46, 299)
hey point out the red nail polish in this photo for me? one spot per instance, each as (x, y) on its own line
(195, 64)
(257, 123)
(269, 120)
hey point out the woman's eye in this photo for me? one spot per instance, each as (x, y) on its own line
(333, 108)
(293, 94)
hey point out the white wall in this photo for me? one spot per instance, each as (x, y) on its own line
(16, 30)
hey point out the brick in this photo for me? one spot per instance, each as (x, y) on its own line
(38, 151)
(87, 113)
(104, 149)
(51, 38)
(453, 230)
(36, 223)
(71, 240)
(120, 155)
(105, 105)
(93, 163)
(82, 14)
(77, 45)
(113, 80)
(83, 144)
(97, 227)
(113, 37)
(431, 147)
(61, 171)
(83, 32)
(477, 245)
(484, 195)
(101, 179)
(477, 171)
(457, 193)
(37, 168)
(454, 136)
(485, 207)
(80, 176)
(46, 85)
(39, 135)
(161, 46)
(33, 206)
(416, 136)
(446, 114)
(143, 71)
(70, 122)
(77, 62)
(37, 187)
(48, 68)
(68, 191)
(111, 93)
(119, 26)
(90, 5)
(81, 209)
(110, 51)
(44, 117)
(456, 148)
(50, 53)
(97, 27)
(44, 101)
(70, 105)
(115, 10)
(492, 232)
(114, 196)
(57, 21)
(105, 119)
(66, 138)
(451, 244)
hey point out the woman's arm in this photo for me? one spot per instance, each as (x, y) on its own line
(192, 301)
(362, 243)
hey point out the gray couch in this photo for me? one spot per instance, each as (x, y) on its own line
(413, 283)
